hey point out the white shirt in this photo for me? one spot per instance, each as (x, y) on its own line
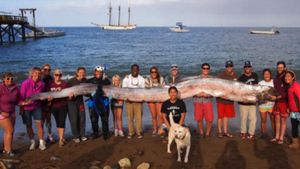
(268, 104)
(133, 82)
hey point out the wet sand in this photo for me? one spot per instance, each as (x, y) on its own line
(206, 153)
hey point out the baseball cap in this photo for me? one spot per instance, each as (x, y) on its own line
(248, 64)
(229, 63)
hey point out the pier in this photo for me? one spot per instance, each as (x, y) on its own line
(12, 27)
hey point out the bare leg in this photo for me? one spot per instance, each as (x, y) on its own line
(119, 118)
(160, 118)
(272, 119)
(30, 131)
(152, 108)
(39, 127)
(200, 126)
(8, 133)
(277, 126)
(225, 121)
(115, 114)
(282, 128)
(220, 125)
(208, 128)
(263, 116)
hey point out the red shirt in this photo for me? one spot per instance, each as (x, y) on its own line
(58, 103)
(293, 91)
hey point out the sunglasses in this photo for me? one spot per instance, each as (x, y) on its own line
(247, 66)
(45, 69)
(58, 75)
(229, 66)
(153, 72)
(9, 78)
(205, 68)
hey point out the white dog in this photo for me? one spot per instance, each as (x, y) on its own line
(182, 138)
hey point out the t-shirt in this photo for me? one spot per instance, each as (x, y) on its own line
(175, 108)
(227, 76)
(133, 82)
(266, 104)
(250, 80)
(58, 103)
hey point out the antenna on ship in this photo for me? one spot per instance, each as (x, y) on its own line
(110, 11)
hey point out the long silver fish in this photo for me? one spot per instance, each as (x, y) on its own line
(231, 90)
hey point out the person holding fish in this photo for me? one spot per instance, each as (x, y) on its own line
(248, 110)
(225, 107)
(134, 109)
(76, 109)
(203, 106)
(155, 80)
(32, 109)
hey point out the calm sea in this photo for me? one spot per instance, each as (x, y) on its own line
(149, 46)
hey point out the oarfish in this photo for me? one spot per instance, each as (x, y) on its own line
(231, 90)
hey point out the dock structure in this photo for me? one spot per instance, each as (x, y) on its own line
(12, 27)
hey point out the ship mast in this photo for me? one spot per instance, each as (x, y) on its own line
(110, 11)
(119, 18)
(129, 10)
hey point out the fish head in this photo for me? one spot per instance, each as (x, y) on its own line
(267, 93)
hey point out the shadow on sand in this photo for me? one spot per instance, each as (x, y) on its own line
(231, 157)
(274, 154)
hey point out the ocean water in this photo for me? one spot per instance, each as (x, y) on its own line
(149, 46)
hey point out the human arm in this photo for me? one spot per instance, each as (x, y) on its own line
(182, 118)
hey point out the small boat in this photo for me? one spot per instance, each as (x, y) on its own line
(273, 31)
(179, 28)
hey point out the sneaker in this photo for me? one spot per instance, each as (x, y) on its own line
(84, 138)
(32, 145)
(129, 136)
(76, 140)
(140, 136)
(8, 154)
(154, 133)
(121, 133)
(116, 132)
(42, 145)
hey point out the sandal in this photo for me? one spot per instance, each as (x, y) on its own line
(273, 140)
(220, 135)
(228, 135)
(280, 141)
(251, 137)
(243, 136)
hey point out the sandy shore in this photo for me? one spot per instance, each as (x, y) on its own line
(207, 153)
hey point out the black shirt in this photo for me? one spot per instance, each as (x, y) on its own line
(250, 80)
(175, 108)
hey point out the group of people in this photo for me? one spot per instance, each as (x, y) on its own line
(279, 109)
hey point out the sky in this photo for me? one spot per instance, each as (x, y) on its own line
(248, 13)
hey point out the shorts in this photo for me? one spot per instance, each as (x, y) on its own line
(60, 115)
(225, 110)
(203, 110)
(265, 110)
(114, 104)
(280, 108)
(28, 114)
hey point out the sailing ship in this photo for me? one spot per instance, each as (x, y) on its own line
(119, 26)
